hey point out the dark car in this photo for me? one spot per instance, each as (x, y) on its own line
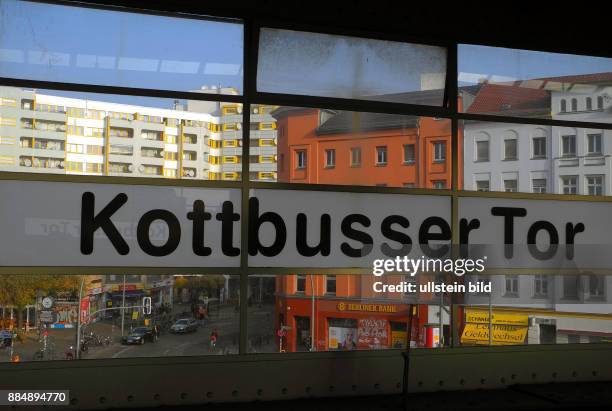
(139, 335)
(184, 325)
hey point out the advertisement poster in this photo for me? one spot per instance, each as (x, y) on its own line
(373, 334)
(341, 338)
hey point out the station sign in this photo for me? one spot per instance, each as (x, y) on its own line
(70, 224)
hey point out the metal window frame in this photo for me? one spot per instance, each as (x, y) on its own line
(250, 97)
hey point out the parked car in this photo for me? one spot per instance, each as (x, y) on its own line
(139, 335)
(184, 325)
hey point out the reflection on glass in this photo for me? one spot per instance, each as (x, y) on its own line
(531, 158)
(534, 84)
(343, 313)
(537, 309)
(319, 146)
(48, 131)
(326, 65)
(57, 43)
(46, 317)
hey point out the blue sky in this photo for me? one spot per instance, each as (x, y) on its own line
(81, 45)
(525, 64)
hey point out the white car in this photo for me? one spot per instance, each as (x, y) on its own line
(184, 325)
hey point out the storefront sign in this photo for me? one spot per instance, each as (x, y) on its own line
(502, 334)
(507, 328)
(482, 317)
(377, 308)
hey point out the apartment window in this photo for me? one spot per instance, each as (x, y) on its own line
(510, 149)
(330, 158)
(95, 150)
(538, 185)
(571, 285)
(599, 103)
(439, 184)
(300, 159)
(74, 148)
(568, 144)
(596, 286)
(594, 185)
(330, 284)
(300, 286)
(540, 285)
(381, 155)
(512, 284)
(355, 157)
(409, 154)
(482, 150)
(594, 144)
(563, 106)
(589, 103)
(539, 147)
(574, 104)
(439, 152)
(510, 186)
(569, 184)
(482, 185)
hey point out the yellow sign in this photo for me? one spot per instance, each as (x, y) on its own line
(502, 334)
(377, 308)
(398, 339)
(482, 317)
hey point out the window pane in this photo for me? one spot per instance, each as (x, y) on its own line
(352, 317)
(163, 316)
(545, 159)
(56, 43)
(99, 134)
(318, 146)
(316, 64)
(536, 309)
(526, 83)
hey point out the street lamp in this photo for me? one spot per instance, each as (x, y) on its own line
(78, 336)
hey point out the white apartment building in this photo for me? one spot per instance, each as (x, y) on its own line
(537, 159)
(200, 140)
(581, 157)
(507, 157)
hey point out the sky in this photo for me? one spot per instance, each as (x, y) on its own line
(92, 46)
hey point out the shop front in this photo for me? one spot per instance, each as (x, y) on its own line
(342, 324)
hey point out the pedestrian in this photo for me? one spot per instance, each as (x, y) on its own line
(213, 339)
(155, 333)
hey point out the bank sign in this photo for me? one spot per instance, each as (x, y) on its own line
(108, 225)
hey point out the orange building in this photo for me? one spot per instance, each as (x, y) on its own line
(317, 146)
(348, 313)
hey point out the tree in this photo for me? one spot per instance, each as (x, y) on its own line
(21, 290)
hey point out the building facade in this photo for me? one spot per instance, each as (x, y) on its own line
(198, 140)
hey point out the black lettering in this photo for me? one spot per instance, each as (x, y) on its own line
(425, 236)
(90, 223)
(256, 221)
(532, 234)
(465, 227)
(509, 213)
(174, 233)
(397, 236)
(199, 217)
(301, 239)
(570, 235)
(227, 218)
(356, 235)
